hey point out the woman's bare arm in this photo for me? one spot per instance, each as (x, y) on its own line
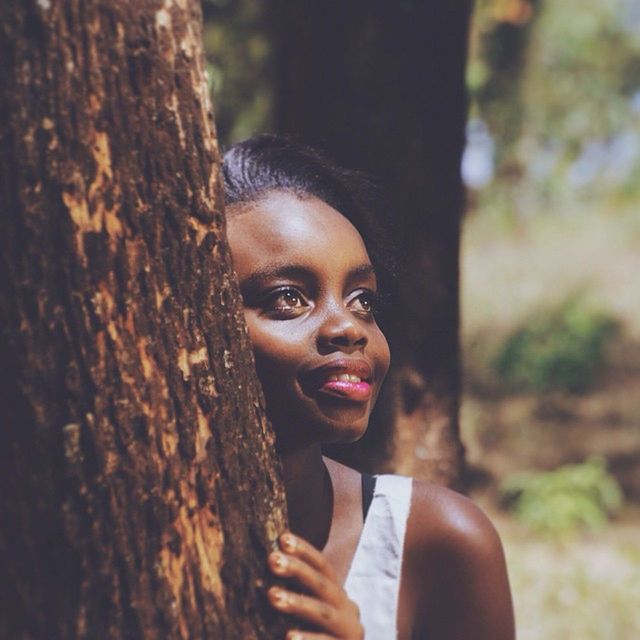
(460, 569)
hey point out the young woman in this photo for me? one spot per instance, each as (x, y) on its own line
(399, 559)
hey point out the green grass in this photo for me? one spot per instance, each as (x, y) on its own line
(565, 501)
(559, 350)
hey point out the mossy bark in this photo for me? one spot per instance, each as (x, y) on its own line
(139, 488)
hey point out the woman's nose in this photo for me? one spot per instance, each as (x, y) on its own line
(341, 331)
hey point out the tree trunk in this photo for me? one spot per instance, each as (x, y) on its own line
(380, 85)
(139, 488)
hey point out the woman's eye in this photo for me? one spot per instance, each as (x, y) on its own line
(363, 303)
(285, 302)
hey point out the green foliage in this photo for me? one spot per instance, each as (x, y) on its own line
(560, 350)
(560, 93)
(240, 64)
(586, 48)
(564, 501)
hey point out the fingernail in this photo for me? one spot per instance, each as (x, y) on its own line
(279, 561)
(288, 541)
(281, 598)
(294, 636)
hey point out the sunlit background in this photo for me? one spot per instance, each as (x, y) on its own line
(550, 302)
(551, 305)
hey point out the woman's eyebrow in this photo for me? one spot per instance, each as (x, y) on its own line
(364, 270)
(298, 272)
(274, 271)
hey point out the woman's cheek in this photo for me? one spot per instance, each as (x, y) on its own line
(276, 362)
(383, 355)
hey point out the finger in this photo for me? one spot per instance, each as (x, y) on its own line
(302, 549)
(307, 577)
(308, 635)
(318, 613)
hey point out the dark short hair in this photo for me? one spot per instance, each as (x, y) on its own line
(266, 163)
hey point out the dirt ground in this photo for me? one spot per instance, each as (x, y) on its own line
(590, 588)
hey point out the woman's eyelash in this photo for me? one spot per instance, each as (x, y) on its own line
(289, 301)
(290, 298)
(368, 299)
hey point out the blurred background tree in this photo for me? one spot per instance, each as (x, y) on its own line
(386, 97)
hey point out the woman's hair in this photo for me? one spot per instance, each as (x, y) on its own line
(266, 163)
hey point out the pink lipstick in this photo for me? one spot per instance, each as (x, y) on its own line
(345, 378)
(357, 390)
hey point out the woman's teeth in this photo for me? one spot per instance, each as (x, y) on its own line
(344, 377)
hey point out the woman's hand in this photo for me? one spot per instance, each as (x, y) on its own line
(324, 605)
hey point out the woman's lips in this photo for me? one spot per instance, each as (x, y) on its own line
(348, 386)
(347, 378)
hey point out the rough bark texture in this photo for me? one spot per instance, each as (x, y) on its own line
(139, 490)
(380, 85)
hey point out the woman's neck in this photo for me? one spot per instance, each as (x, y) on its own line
(309, 493)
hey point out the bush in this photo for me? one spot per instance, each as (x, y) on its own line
(565, 501)
(561, 350)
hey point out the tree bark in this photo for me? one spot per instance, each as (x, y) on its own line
(139, 488)
(380, 85)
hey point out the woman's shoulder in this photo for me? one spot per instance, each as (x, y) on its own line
(438, 517)
(445, 520)
(456, 564)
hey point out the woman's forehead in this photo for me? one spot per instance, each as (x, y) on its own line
(294, 229)
(290, 211)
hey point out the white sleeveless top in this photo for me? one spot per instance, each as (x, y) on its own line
(373, 581)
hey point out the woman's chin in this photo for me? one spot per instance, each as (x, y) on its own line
(321, 419)
(322, 429)
(337, 432)
(340, 410)
(343, 425)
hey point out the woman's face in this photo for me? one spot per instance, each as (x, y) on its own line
(309, 289)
